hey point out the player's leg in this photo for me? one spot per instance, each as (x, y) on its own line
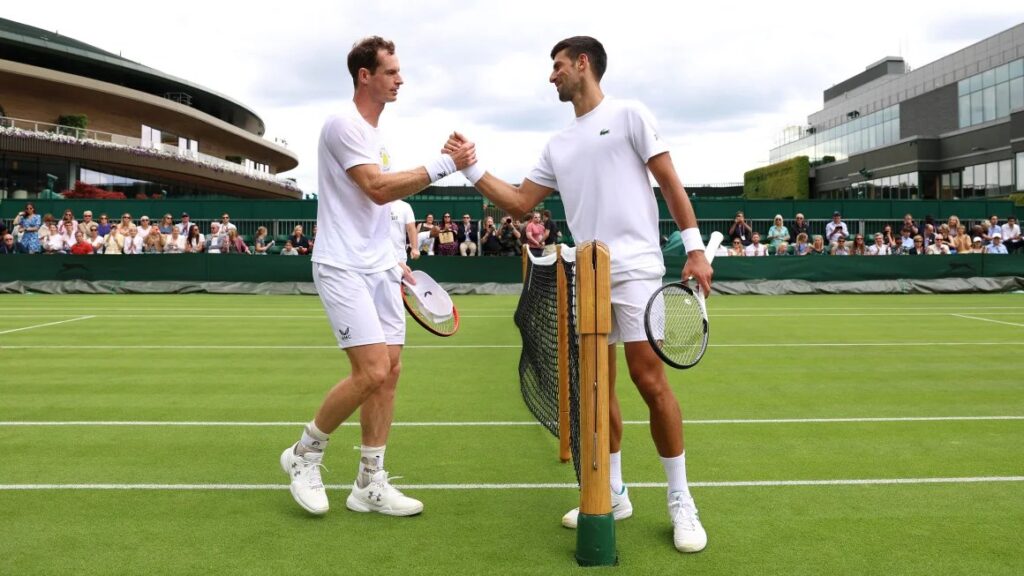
(647, 372)
(372, 492)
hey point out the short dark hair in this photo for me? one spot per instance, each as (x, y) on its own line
(364, 55)
(584, 45)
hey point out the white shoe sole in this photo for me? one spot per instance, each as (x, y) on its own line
(355, 505)
(291, 487)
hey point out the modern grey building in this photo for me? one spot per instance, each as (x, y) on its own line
(951, 129)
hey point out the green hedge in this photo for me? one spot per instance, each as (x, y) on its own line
(787, 179)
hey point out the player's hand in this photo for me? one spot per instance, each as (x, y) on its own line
(414, 254)
(697, 267)
(464, 155)
(407, 273)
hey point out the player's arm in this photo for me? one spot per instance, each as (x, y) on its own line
(383, 188)
(410, 232)
(682, 212)
(516, 200)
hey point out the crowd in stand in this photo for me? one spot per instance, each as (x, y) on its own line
(509, 237)
(35, 234)
(926, 237)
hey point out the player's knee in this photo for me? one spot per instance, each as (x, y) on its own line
(372, 376)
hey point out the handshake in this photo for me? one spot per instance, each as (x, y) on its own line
(463, 153)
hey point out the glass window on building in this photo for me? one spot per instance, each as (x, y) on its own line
(1016, 93)
(1005, 176)
(1020, 171)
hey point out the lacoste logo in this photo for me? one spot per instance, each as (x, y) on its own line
(344, 333)
(605, 131)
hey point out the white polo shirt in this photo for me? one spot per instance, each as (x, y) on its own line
(401, 215)
(599, 166)
(352, 232)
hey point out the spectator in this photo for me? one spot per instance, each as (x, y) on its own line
(144, 227)
(446, 243)
(29, 222)
(404, 235)
(125, 225)
(840, 248)
(9, 246)
(289, 249)
(962, 242)
(551, 233)
(802, 247)
(509, 237)
(261, 245)
(469, 236)
(755, 248)
(234, 244)
(55, 242)
(737, 248)
(44, 230)
(818, 246)
(174, 243)
(87, 223)
(782, 249)
(858, 248)
(425, 235)
(195, 242)
(214, 240)
(113, 243)
(740, 229)
(67, 227)
(535, 232)
(153, 243)
(489, 243)
(95, 240)
(938, 247)
(889, 239)
(312, 239)
(996, 247)
(104, 226)
(1011, 233)
(299, 242)
(908, 224)
(953, 225)
(880, 247)
(777, 233)
(977, 246)
(185, 226)
(166, 225)
(799, 226)
(918, 248)
(906, 243)
(836, 229)
(133, 242)
(81, 247)
(225, 224)
(991, 228)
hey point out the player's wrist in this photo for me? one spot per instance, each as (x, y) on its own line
(692, 240)
(474, 173)
(440, 167)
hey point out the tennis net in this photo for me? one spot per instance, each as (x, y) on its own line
(537, 319)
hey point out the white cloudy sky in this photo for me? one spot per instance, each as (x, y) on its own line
(723, 78)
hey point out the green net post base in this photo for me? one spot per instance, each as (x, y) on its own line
(595, 540)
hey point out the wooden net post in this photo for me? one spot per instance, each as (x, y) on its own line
(563, 359)
(595, 533)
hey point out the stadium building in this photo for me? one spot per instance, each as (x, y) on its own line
(949, 130)
(73, 116)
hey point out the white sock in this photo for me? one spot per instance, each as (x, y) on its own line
(675, 470)
(371, 459)
(615, 471)
(313, 440)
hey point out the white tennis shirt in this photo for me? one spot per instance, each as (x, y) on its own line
(401, 214)
(352, 232)
(599, 166)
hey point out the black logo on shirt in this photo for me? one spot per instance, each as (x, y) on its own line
(344, 333)
(605, 131)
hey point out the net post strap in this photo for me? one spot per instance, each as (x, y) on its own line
(593, 285)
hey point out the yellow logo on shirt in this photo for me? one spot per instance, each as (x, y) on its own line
(385, 160)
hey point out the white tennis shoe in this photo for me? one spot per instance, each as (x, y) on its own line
(307, 487)
(381, 497)
(688, 534)
(622, 508)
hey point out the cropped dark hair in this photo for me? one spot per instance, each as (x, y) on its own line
(364, 55)
(584, 45)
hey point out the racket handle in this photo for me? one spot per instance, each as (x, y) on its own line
(713, 243)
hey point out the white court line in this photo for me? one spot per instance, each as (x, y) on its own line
(509, 315)
(987, 320)
(47, 324)
(479, 346)
(788, 310)
(524, 486)
(494, 424)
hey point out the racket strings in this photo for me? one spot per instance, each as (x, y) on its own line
(441, 325)
(678, 324)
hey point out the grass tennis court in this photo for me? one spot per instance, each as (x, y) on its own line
(140, 435)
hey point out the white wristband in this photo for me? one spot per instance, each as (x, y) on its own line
(440, 167)
(474, 173)
(692, 240)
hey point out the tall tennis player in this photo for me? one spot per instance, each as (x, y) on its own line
(358, 277)
(600, 166)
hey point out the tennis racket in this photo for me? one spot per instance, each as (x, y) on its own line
(676, 319)
(429, 305)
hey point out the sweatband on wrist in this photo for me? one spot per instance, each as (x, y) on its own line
(440, 167)
(692, 240)
(474, 173)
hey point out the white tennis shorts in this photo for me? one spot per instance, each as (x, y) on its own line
(629, 301)
(362, 308)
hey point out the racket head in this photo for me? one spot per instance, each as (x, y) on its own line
(430, 305)
(676, 323)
